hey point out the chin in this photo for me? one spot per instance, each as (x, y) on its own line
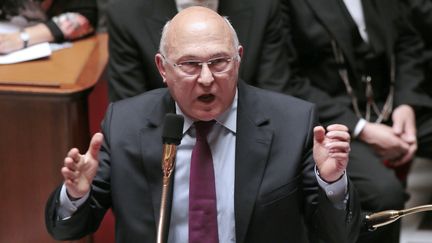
(206, 115)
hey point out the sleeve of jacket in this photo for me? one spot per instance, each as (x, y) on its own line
(87, 8)
(323, 219)
(408, 50)
(420, 12)
(88, 217)
(330, 109)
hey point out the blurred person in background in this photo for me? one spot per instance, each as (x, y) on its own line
(420, 13)
(46, 21)
(134, 28)
(362, 61)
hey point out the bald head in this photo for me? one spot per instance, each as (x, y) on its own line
(196, 22)
(199, 61)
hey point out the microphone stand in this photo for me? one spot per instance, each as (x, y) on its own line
(171, 135)
(375, 220)
(169, 152)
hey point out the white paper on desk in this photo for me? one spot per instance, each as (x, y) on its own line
(29, 53)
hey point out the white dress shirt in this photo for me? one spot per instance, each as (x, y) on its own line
(355, 8)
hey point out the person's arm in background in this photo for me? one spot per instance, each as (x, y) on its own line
(409, 75)
(390, 143)
(331, 110)
(71, 20)
(420, 12)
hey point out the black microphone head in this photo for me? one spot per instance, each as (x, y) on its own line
(173, 129)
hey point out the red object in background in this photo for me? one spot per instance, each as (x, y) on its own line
(97, 104)
(106, 231)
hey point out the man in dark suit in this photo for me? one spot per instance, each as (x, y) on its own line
(361, 60)
(264, 148)
(420, 13)
(134, 29)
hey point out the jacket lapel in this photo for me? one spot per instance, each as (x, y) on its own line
(329, 14)
(378, 26)
(253, 143)
(152, 150)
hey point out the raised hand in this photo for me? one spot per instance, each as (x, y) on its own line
(79, 169)
(331, 151)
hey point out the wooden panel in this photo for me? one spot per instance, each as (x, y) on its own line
(61, 70)
(35, 136)
(38, 125)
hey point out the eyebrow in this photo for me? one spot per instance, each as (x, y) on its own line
(193, 57)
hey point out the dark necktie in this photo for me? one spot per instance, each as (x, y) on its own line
(202, 191)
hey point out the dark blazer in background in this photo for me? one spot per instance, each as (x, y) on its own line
(420, 12)
(135, 28)
(275, 185)
(311, 27)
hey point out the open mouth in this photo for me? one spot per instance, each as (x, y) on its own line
(207, 98)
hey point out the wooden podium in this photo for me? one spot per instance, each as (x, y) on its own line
(43, 113)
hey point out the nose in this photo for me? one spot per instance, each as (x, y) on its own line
(206, 76)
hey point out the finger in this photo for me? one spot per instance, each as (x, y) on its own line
(319, 134)
(404, 147)
(338, 135)
(68, 174)
(406, 157)
(95, 144)
(337, 127)
(338, 147)
(409, 135)
(398, 125)
(70, 164)
(74, 155)
(340, 157)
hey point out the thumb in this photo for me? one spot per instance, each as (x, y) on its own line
(319, 134)
(398, 125)
(95, 144)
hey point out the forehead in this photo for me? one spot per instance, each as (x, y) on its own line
(204, 38)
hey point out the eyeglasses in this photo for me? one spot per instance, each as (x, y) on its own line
(193, 68)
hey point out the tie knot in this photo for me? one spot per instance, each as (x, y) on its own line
(202, 128)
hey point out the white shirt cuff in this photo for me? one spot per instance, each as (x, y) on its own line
(359, 127)
(67, 207)
(337, 192)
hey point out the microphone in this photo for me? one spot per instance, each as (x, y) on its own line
(375, 220)
(171, 137)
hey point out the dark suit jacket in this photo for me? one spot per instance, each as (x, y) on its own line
(420, 12)
(275, 185)
(311, 25)
(135, 28)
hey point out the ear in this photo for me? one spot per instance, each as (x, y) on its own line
(159, 60)
(240, 51)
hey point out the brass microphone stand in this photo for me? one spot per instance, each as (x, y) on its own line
(168, 163)
(375, 220)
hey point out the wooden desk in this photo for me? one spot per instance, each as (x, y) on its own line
(43, 113)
